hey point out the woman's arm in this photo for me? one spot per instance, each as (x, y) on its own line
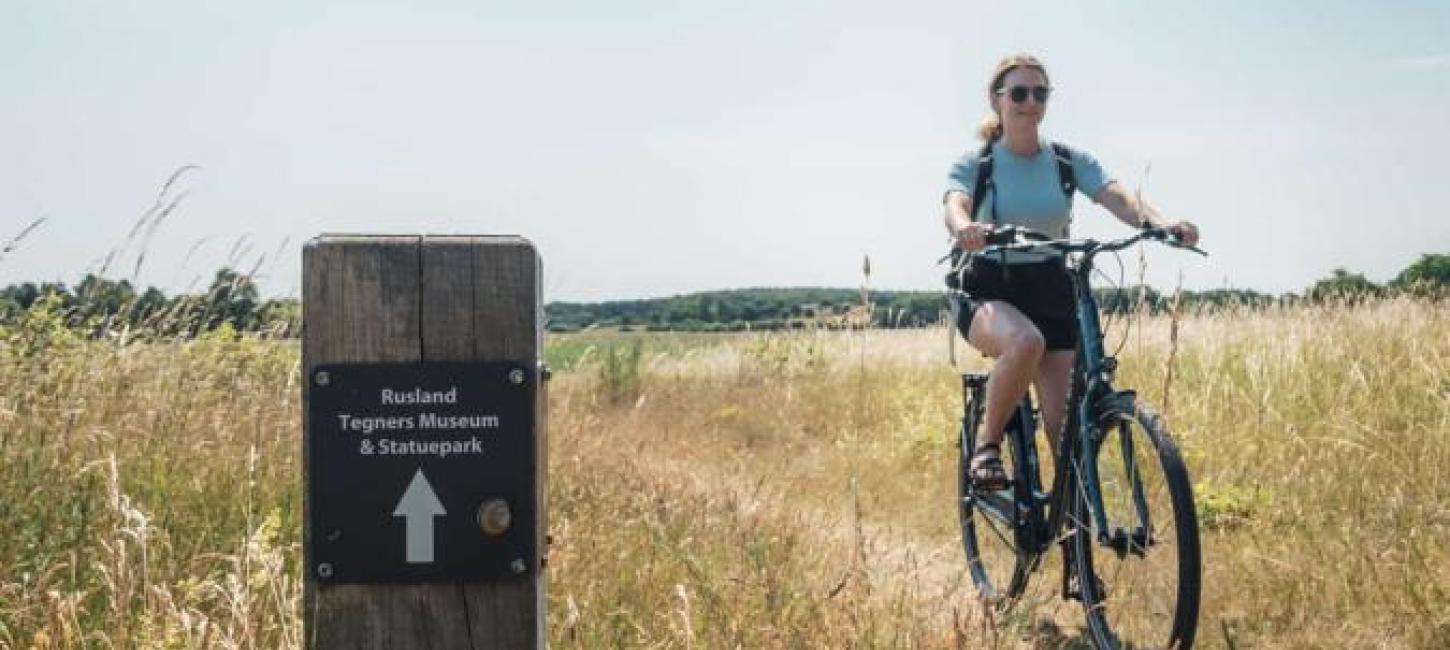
(969, 236)
(958, 211)
(1138, 214)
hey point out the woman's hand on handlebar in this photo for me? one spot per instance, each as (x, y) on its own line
(1185, 232)
(973, 236)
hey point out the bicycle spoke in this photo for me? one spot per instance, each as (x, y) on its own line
(998, 507)
(1001, 537)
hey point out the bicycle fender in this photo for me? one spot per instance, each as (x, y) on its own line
(1114, 404)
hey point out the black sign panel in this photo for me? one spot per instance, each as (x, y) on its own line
(421, 472)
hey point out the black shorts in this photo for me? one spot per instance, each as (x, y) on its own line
(1042, 291)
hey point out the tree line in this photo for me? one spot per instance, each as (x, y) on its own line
(790, 308)
(99, 305)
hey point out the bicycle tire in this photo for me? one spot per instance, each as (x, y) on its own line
(998, 566)
(1143, 591)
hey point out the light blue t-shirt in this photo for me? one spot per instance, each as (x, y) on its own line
(1028, 190)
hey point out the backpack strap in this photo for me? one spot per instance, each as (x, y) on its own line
(1064, 170)
(984, 181)
(1065, 176)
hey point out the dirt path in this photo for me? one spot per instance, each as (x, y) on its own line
(891, 562)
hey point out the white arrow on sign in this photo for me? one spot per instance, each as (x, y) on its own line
(418, 507)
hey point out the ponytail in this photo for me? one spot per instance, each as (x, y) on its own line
(990, 130)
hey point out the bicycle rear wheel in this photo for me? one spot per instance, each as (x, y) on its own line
(1141, 588)
(997, 564)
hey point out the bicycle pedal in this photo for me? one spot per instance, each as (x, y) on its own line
(996, 488)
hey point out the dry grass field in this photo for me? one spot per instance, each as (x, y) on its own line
(788, 490)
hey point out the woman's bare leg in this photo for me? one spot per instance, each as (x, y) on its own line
(1054, 380)
(999, 330)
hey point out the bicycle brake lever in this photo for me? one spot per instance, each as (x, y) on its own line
(1177, 244)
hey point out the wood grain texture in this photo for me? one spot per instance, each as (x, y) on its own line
(409, 299)
(506, 272)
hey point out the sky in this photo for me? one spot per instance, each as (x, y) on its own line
(656, 148)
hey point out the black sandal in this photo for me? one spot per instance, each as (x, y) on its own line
(986, 470)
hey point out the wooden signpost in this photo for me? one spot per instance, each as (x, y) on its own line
(423, 443)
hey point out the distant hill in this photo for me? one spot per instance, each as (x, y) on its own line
(803, 307)
(753, 309)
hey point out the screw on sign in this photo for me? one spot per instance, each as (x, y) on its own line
(494, 517)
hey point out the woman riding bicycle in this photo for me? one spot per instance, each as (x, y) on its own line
(1017, 306)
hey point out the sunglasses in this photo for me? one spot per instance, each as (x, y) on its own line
(1018, 94)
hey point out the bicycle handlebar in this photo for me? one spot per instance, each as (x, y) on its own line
(1007, 238)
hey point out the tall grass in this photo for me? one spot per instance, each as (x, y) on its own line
(148, 493)
(783, 490)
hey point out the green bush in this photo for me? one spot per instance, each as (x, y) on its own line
(619, 371)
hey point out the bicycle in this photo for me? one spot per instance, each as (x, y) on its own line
(1120, 503)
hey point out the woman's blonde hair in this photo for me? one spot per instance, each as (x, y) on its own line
(991, 127)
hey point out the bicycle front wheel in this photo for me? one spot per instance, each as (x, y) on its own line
(1138, 565)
